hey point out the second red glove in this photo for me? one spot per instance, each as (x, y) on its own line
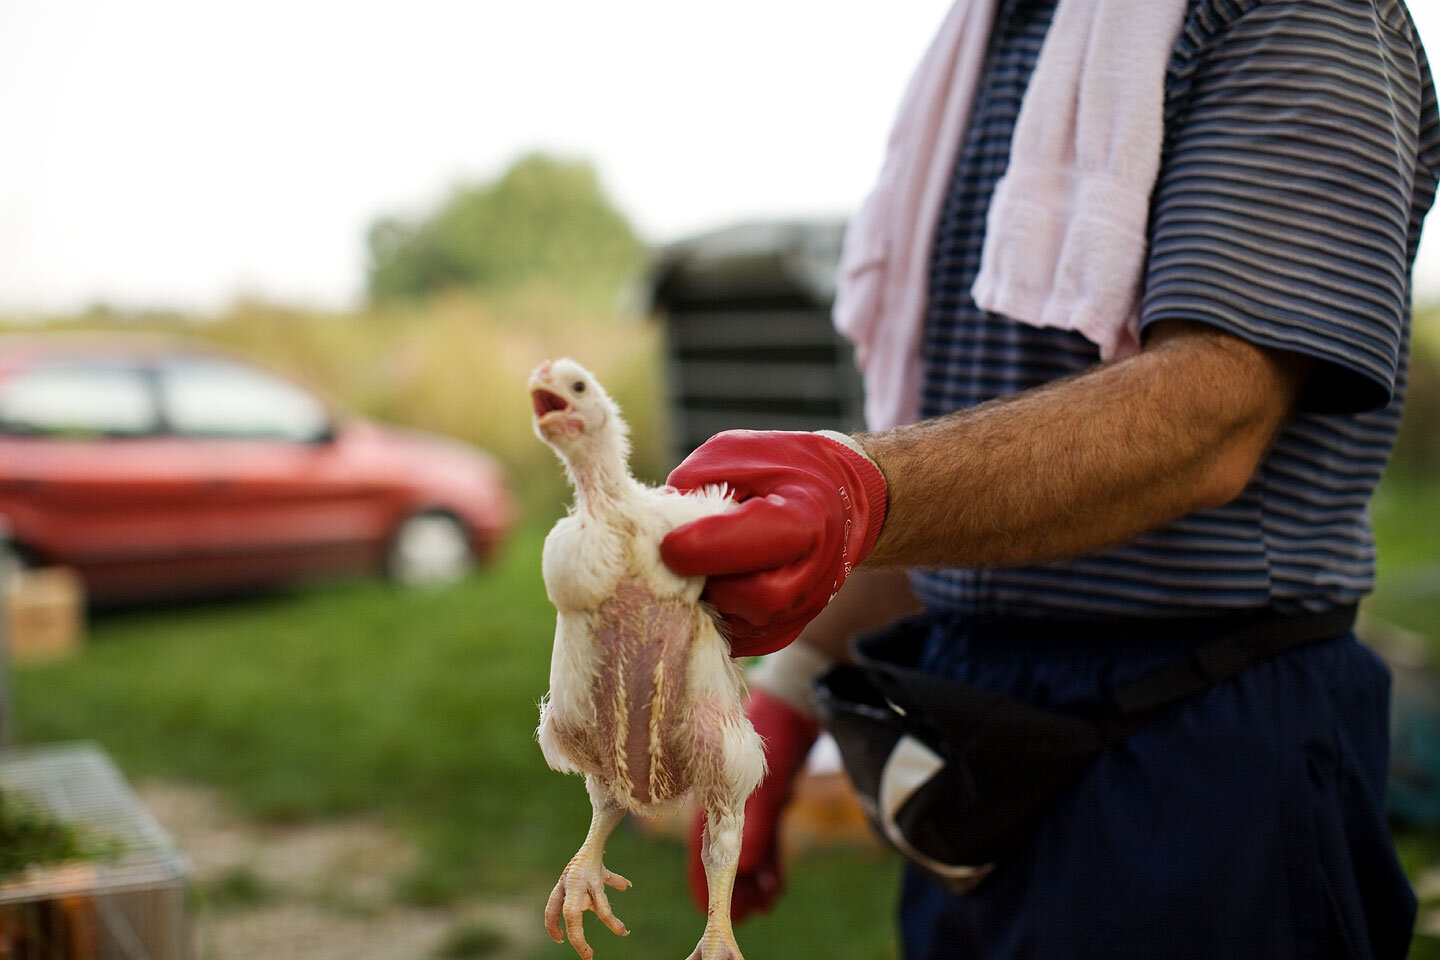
(759, 877)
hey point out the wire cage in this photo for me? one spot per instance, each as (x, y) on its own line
(125, 906)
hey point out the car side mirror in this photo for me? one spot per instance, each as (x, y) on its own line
(327, 434)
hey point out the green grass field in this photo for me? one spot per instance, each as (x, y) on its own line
(419, 708)
(1406, 513)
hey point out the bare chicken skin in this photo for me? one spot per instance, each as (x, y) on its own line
(645, 700)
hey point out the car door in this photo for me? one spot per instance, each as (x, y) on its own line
(85, 477)
(281, 498)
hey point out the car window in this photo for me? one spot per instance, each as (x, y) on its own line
(77, 400)
(216, 398)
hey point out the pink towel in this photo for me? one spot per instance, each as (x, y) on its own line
(1065, 239)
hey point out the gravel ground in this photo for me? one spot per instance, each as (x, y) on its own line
(318, 892)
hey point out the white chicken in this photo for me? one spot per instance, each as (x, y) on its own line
(644, 699)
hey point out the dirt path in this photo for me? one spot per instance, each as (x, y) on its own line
(317, 892)
(325, 891)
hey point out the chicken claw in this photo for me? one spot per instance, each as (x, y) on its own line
(582, 883)
(582, 887)
(720, 853)
(718, 944)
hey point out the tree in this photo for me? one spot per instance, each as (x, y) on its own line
(545, 220)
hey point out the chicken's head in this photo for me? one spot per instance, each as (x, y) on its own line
(573, 413)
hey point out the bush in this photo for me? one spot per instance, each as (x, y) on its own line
(1417, 449)
(546, 220)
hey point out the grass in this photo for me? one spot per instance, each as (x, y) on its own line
(418, 707)
(1406, 514)
(31, 837)
(469, 940)
(238, 887)
(349, 698)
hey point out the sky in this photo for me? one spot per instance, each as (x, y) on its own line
(178, 154)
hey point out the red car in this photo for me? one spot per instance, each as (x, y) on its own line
(163, 468)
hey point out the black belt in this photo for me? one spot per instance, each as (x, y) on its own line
(1220, 647)
(953, 774)
(1060, 633)
(1238, 644)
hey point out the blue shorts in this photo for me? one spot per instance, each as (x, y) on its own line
(1249, 822)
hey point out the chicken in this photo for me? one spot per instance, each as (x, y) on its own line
(645, 700)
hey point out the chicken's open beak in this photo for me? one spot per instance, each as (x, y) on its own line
(544, 403)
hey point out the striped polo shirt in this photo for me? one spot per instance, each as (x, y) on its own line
(1301, 153)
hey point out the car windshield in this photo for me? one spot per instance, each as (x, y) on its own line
(216, 398)
(80, 400)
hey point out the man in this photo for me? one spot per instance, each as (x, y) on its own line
(1224, 469)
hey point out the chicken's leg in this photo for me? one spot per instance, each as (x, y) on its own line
(720, 854)
(582, 884)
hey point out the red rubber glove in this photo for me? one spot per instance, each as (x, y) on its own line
(810, 509)
(759, 879)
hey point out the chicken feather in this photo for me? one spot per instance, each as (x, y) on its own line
(645, 700)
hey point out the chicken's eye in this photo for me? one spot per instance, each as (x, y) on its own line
(578, 386)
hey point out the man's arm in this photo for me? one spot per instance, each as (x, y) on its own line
(1061, 470)
(1088, 461)
(870, 599)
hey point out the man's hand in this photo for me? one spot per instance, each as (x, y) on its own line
(811, 507)
(759, 880)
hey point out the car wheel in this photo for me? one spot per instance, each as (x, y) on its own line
(429, 549)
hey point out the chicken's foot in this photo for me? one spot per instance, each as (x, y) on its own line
(720, 854)
(582, 884)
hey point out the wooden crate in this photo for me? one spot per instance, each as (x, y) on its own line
(44, 614)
